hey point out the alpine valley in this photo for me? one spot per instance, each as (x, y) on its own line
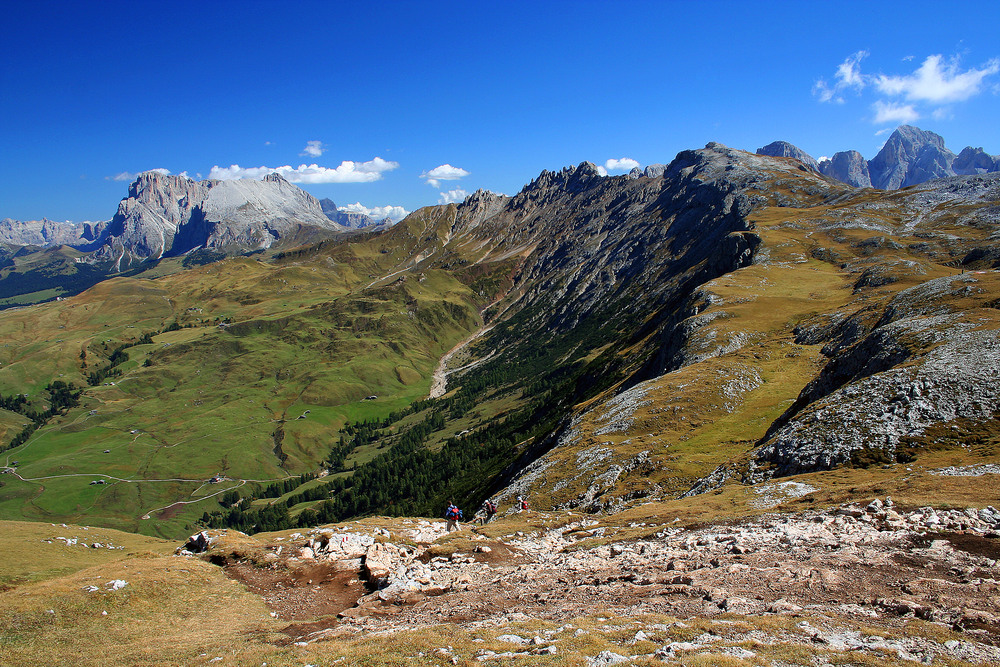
(751, 398)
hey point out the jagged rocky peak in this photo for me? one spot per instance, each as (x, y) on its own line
(170, 215)
(785, 149)
(847, 167)
(910, 156)
(651, 171)
(975, 161)
(570, 179)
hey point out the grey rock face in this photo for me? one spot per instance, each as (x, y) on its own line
(47, 233)
(785, 149)
(848, 167)
(910, 156)
(975, 161)
(171, 215)
(881, 400)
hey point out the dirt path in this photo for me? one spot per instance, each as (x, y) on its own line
(439, 382)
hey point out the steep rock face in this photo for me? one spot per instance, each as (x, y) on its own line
(171, 215)
(785, 149)
(848, 167)
(612, 264)
(910, 156)
(975, 161)
(590, 242)
(46, 232)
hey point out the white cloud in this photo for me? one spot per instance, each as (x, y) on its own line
(601, 169)
(848, 75)
(906, 98)
(623, 164)
(445, 172)
(348, 172)
(378, 213)
(891, 112)
(936, 81)
(129, 176)
(313, 149)
(452, 196)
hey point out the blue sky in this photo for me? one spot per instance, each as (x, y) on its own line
(409, 104)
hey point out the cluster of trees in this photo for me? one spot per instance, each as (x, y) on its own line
(117, 357)
(408, 478)
(62, 397)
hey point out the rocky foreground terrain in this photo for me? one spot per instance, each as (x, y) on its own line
(859, 584)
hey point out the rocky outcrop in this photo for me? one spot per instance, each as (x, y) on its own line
(847, 167)
(744, 588)
(785, 149)
(923, 364)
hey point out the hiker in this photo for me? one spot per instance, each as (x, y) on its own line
(452, 515)
(522, 504)
(489, 509)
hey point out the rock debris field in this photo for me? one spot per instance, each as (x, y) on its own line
(859, 579)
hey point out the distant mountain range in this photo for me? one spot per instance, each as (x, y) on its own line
(166, 216)
(910, 156)
(173, 215)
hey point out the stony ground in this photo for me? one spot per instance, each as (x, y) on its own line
(873, 583)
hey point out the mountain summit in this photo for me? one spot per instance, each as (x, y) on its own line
(909, 157)
(171, 215)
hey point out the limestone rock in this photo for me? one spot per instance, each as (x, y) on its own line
(785, 149)
(910, 156)
(848, 167)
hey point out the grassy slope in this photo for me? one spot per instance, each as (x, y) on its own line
(314, 333)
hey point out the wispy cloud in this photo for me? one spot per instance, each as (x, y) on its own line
(313, 149)
(848, 76)
(452, 196)
(905, 98)
(445, 172)
(937, 81)
(348, 172)
(394, 213)
(891, 112)
(129, 176)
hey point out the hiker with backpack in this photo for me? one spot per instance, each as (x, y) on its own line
(452, 516)
(522, 504)
(489, 509)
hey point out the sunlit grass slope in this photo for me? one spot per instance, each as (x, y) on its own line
(252, 369)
